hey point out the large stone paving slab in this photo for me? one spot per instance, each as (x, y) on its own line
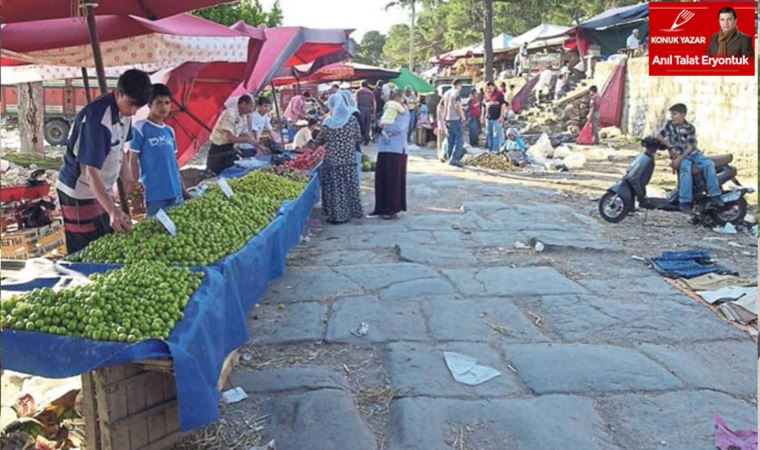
(476, 319)
(505, 281)
(676, 420)
(417, 289)
(550, 422)
(310, 283)
(436, 255)
(420, 369)
(621, 286)
(388, 238)
(727, 366)
(594, 319)
(388, 321)
(568, 238)
(298, 378)
(326, 419)
(287, 323)
(378, 276)
(551, 368)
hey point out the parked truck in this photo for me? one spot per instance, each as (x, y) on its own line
(62, 99)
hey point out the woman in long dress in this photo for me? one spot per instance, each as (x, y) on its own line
(390, 172)
(338, 178)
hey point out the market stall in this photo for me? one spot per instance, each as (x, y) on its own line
(186, 344)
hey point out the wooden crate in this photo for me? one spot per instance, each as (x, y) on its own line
(134, 406)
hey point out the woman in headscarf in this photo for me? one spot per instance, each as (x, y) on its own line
(338, 178)
(515, 147)
(354, 110)
(390, 172)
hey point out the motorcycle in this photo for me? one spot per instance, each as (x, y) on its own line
(620, 199)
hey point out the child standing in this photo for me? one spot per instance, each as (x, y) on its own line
(152, 155)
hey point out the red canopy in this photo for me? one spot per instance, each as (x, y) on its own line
(26, 37)
(339, 72)
(293, 46)
(26, 10)
(199, 91)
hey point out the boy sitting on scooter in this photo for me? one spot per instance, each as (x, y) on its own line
(681, 138)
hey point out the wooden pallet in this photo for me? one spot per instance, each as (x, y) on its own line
(134, 406)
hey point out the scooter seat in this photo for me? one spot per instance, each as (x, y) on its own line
(718, 160)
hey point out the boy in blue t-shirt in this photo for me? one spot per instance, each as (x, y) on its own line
(153, 155)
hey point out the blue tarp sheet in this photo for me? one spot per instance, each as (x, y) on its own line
(688, 264)
(616, 16)
(197, 344)
(214, 322)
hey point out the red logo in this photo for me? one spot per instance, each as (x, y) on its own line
(705, 38)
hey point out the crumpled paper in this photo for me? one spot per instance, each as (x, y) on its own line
(465, 369)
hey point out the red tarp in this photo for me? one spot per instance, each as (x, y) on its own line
(339, 72)
(519, 98)
(26, 37)
(293, 46)
(26, 10)
(611, 110)
(202, 89)
(199, 91)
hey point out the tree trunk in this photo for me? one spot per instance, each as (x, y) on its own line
(31, 118)
(411, 36)
(488, 42)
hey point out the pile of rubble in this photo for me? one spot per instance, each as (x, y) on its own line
(14, 175)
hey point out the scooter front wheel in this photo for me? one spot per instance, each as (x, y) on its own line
(613, 208)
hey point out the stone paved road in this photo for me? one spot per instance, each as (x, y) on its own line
(595, 351)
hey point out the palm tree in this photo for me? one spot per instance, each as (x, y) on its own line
(412, 6)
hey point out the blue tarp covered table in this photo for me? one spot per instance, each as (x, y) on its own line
(197, 344)
(214, 323)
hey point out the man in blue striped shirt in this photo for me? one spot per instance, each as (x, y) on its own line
(93, 162)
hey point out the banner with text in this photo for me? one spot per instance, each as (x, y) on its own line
(702, 38)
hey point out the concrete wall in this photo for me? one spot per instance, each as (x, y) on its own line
(723, 109)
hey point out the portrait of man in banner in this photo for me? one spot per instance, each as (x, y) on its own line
(729, 41)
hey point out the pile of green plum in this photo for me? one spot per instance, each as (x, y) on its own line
(208, 228)
(140, 301)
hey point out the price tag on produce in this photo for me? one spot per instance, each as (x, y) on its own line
(226, 187)
(166, 222)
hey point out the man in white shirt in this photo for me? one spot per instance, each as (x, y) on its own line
(230, 129)
(544, 83)
(633, 42)
(261, 125)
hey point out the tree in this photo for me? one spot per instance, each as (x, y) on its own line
(412, 5)
(370, 51)
(396, 47)
(249, 11)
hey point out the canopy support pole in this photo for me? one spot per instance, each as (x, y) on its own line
(277, 111)
(86, 81)
(99, 69)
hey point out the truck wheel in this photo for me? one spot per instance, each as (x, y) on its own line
(57, 131)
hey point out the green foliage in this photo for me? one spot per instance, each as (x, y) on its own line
(445, 25)
(396, 48)
(370, 50)
(249, 11)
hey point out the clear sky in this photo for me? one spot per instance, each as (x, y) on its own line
(362, 15)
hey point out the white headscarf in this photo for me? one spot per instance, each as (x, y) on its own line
(339, 112)
(349, 99)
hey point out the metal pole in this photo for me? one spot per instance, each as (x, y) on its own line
(277, 111)
(86, 81)
(97, 56)
(99, 69)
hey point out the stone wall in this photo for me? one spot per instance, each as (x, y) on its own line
(723, 109)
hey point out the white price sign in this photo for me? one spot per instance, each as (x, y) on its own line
(166, 222)
(226, 187)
